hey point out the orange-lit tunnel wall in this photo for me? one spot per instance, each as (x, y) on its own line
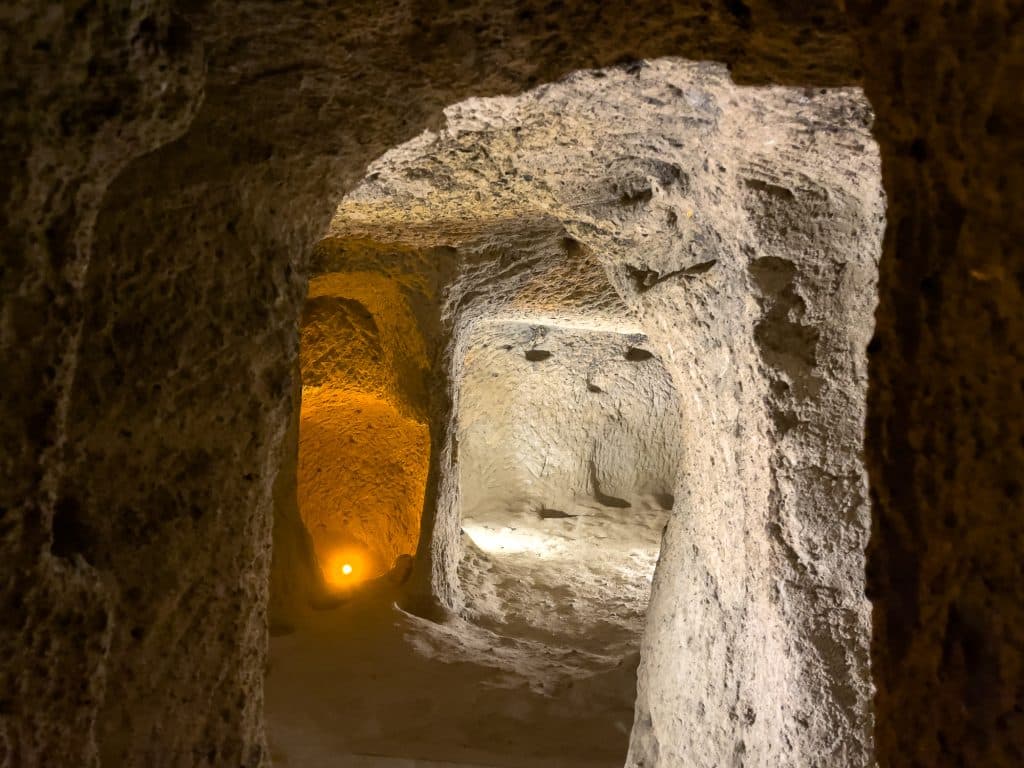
(363, 444)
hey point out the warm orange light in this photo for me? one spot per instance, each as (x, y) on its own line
(347, 566)
(361, 479)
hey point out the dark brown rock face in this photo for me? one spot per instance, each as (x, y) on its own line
(166, 171)
(945, 404)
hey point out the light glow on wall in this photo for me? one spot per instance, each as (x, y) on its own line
(506, 540)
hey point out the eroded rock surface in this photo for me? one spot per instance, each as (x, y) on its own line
(362, 441)
(567, 465)
(946, 411)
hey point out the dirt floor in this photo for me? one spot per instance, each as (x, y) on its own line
(366, 679)
(540, 671)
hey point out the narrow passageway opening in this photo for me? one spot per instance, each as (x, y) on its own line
(578, 463)
(362, 454)
(567, 453)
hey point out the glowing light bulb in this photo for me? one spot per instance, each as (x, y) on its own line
(345, 568)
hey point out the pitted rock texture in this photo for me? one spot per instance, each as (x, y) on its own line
(364, 331)
(946, 411)
(739, 230)
(553, 415)
(362, 444)
(249, 121)
(341, 343)
(569, 444)
(287, 103)
(361, 475)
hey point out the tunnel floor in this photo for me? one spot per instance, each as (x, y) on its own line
(577, 577)
(366, 680)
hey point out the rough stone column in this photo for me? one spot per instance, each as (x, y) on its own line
(433, 588)
(946, 406)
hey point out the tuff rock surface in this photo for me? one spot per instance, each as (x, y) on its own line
(166, 167)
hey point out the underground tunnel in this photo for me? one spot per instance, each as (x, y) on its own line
(171, 172)
(580, 434)
(363, 446)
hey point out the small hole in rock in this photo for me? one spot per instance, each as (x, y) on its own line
(637, 355)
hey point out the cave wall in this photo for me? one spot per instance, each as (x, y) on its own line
(945, 411)
(295, 580)
(340, 346)
(362, 441)
(368, 333)
(365, 331)
(217, 138)
(551, 416)
(569, 443)
(362, 471)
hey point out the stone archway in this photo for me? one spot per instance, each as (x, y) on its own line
(740, 230)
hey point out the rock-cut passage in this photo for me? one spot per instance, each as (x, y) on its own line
(568, 448)
(362, 470)
(649, 292)
(362, 462)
